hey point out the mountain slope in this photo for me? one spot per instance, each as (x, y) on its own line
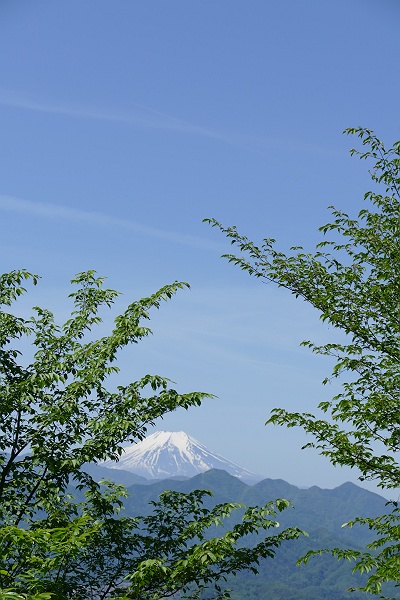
(166, 454)
(99, 472)
(314, 508)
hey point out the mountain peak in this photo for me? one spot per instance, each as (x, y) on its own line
(175, 453)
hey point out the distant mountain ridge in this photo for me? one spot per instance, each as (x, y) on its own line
(166, 454)
(314, 508)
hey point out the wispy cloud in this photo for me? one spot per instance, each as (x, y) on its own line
(144, 117)
(137, 115)
(97, 219)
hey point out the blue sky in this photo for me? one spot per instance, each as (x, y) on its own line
(124, 124)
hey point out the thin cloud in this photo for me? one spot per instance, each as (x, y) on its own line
(137, 116)
(97, 219)
(140, 116)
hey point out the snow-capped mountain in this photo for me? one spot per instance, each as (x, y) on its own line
(169, 454)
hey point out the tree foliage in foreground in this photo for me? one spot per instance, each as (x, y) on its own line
(353, 280)
(62, 535)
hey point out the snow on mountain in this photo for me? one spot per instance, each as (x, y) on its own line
(169, 454)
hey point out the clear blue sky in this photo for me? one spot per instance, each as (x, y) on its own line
(124, 124)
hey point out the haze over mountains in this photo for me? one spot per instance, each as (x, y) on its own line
(167, 454)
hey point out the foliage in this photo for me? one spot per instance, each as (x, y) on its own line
(353, 280)
(62, 534)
